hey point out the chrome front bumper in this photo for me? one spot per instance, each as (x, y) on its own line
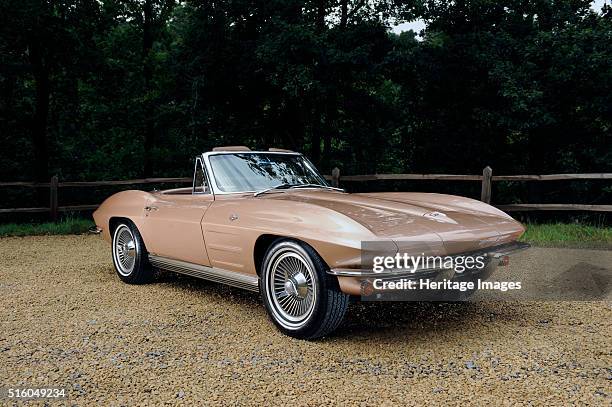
(95, 230)
(495, 256)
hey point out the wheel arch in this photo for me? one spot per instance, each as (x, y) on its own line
(114, 221)
(126, 204)
(263, 243)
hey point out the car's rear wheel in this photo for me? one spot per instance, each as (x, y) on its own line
(302, 300)
(130, 255)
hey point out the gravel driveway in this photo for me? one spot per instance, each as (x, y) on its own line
(68, 321)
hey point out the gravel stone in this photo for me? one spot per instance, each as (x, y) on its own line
(68, 321)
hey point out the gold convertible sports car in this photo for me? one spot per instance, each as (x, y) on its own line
(267, 221)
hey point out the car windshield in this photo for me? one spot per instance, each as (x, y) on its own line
(248, 172)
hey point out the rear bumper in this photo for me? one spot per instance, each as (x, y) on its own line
(352, 281)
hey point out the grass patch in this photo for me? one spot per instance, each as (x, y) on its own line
(66, 226)
(567, 234)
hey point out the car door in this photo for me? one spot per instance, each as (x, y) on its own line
(228, 241)
(173, 221)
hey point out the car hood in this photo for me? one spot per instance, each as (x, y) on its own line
(444, 223)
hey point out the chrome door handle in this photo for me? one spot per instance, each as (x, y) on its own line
(150, 208)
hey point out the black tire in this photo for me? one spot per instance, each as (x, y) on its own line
(139, 271)
(319, 308)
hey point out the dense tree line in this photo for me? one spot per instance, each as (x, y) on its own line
(124, 88)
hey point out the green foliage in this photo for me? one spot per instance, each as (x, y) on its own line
(572, 234)
(138, 87)
(67, 226)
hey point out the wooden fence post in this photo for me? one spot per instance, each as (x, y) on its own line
(336, 177)
(53, 197)
(485, 194)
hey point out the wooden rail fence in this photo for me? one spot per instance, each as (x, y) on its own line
(486, 180)
(54, 186)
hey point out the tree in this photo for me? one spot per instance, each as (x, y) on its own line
(38, 41)
(523, 86)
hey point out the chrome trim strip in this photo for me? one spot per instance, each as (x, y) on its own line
(369, 273)
(495, 252)
(507, 249)
(94, 230)
(235, 279)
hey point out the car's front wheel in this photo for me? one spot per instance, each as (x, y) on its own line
(130, 255)
(302, 300)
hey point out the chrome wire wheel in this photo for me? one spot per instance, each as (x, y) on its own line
(124, 250)
(291, 288)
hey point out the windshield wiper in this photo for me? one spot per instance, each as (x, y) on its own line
(291, 186)
(281, 186)
(317, 186)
